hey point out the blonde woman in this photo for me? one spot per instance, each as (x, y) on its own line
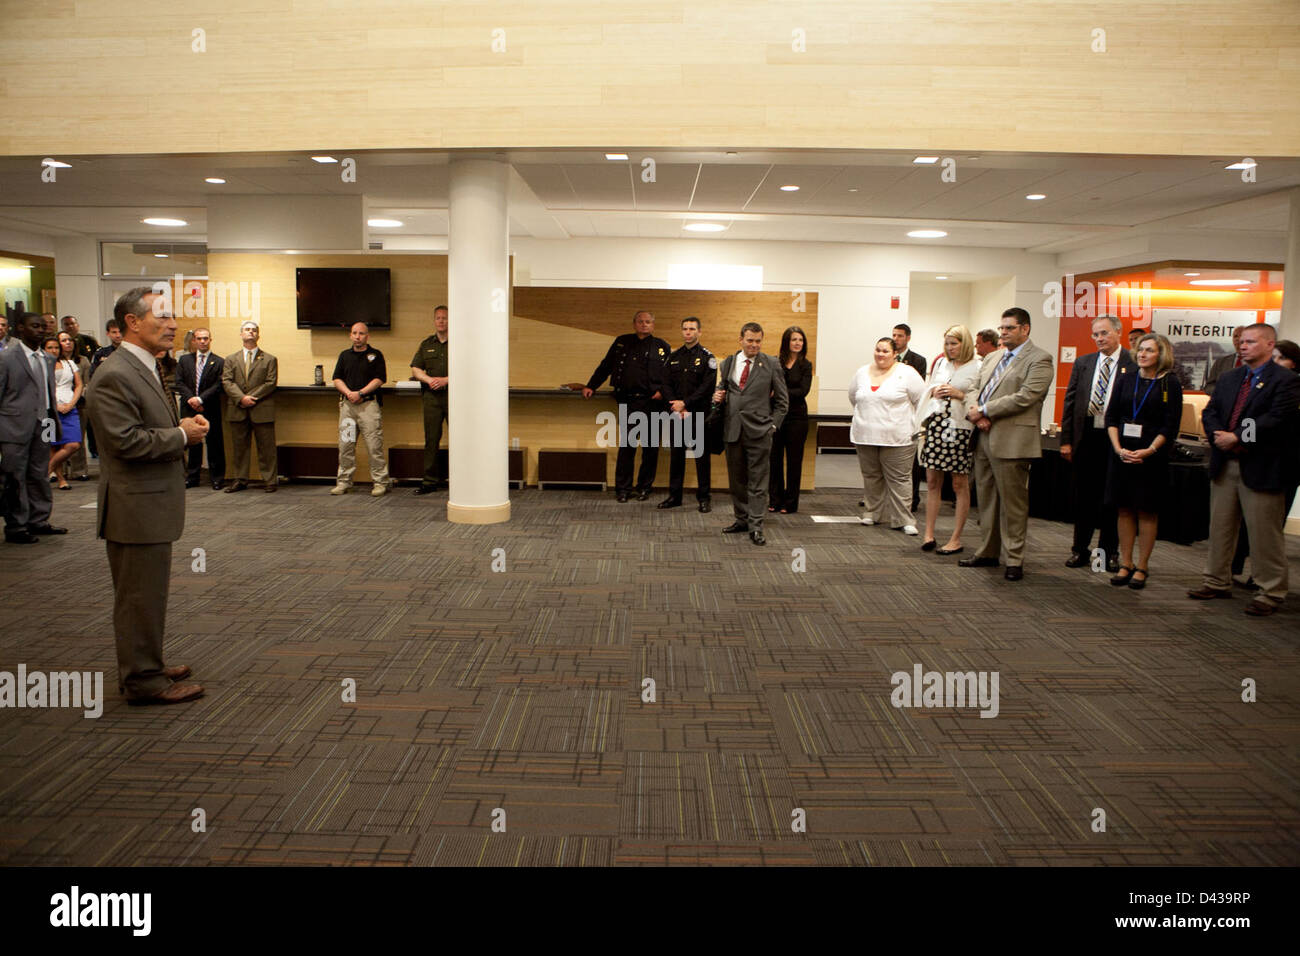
(884, 396)
(946, 445)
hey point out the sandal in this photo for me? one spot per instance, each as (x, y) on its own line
(1119, 580)
(1134, 583)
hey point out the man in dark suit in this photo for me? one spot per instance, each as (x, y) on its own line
(1084, 441)
(1226, 363)
(198, 383)
(85, 345)
(902, 335)
(1007, 409)
(753, 386)
(141, 495)
(1251, 421)
(28, 423)
(250, 377)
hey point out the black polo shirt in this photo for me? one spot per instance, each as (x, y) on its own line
(358, 369)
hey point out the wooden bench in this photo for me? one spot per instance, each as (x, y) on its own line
(833, 437)
(405, 462)
(572, 466)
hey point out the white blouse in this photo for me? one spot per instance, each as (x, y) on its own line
(884, 417)
(962, 377)
(64, 382)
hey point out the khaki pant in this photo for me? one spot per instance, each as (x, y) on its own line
(1002, 485)
(367, 422)
(887, 482)
(241, 438)
(1263, 511)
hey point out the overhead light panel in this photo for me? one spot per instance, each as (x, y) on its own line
(1190, 274)
(215, 180)
(1244, 164)
(1036, 196)
(324, 159)
(616, 157)
(926, 234)
(789, 189)
(384, 223)
(925, 160)
(163, 221)
(160, 255)
(941, 278)
(1215, 282)
(55, 164)
(704, 227)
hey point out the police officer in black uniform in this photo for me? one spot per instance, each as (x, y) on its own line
(635, 365)
(692, 377)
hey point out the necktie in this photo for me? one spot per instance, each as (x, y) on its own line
(248, 363)
(993, 382)
(744, 374)
(1242, 394)
(1098, 403)
(39, 367)
(162, 387)
(198, 375)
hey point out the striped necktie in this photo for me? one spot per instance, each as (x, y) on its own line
(1098, 403)
(997, 375)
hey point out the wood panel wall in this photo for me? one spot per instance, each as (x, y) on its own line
(1177, 77)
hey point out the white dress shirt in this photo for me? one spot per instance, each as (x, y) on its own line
(1099, 421)
(738, 369)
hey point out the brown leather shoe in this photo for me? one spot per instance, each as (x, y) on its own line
(179, 672)
(1206, 593)
(176, 694)
(237, 485)
(1258, 608)
(270, 488)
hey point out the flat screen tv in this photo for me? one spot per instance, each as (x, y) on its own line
(336, 298)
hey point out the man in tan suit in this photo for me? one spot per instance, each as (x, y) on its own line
(249, 377)
(141, 495)
(1007, 409)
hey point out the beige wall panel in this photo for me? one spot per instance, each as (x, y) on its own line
(1177, 77)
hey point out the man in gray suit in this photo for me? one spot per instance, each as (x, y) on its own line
(753, 386)
(142, 494)
(1007, 409)
(28, 424)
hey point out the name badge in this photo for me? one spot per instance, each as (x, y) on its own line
(1132, 430)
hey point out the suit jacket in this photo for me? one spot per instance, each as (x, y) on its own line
(1078, 394)
(759, 410)
(1221, 366)
(1016, 405)
(141, 454)
(1273, 409)
(916, 361)
(22, 411)
(260, 383)
(209, 389)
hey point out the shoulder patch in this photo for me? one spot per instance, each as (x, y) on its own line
(713, 363)
(370, 356)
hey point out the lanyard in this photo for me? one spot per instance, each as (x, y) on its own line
(1137, 406)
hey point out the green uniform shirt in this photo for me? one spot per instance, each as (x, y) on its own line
(431, 358)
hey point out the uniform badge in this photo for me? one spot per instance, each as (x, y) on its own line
(697, 361)
(370, 357)
(713, 363)
(661, 351)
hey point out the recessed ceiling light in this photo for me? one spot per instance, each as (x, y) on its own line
(941, 278)
(853, 189)
(616, 157)
(704, 227)
(215, 180)
(789, 189)
(1191, 273)
(384, 223)
(1215, 282)
(732, 152)
(926, 234)
(925, 160)
(162, 221)
(1246, 289)
(55, 164)
(1244, 164)
(324, 159)
(1036, 196)
(160, 255)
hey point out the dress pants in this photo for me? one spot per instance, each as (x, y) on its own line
(885, 482)
(367, 425)
(435, 414)
(24, 470)
(216, 443)
(141, 580)
(677, 470)
(1091, 460)
(1264, 513)
(1002, 485)
(787, 456)
(645, 478)
(749, 469)
(241, 437)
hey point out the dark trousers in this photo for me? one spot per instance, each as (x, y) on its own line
(90, 434)
(645, 478)
(749, 469)
(24, 471)
(787, 449)
(1091, 513)
(677, 472)
(141, 579)
(216, 442)
(435, 414)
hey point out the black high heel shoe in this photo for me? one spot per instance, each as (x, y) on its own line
(1119, 580)
(929, 545)
(1134, 583)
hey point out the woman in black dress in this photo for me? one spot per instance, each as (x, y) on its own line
(788, 442)
(1142, 421)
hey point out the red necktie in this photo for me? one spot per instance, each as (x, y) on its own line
(744, 375)
(1242, 395)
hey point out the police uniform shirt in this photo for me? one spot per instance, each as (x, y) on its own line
(431, 358)
(358, 369)
(633, 365)
(692, 372)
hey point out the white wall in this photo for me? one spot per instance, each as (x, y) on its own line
(933, 308)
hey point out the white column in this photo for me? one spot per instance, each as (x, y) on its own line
(1289, 325)
(76, 284)
(478, 297)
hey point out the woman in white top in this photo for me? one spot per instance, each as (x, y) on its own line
(946, 445)
(884, 396)
(67, 390)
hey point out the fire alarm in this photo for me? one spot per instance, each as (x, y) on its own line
(893, 302)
